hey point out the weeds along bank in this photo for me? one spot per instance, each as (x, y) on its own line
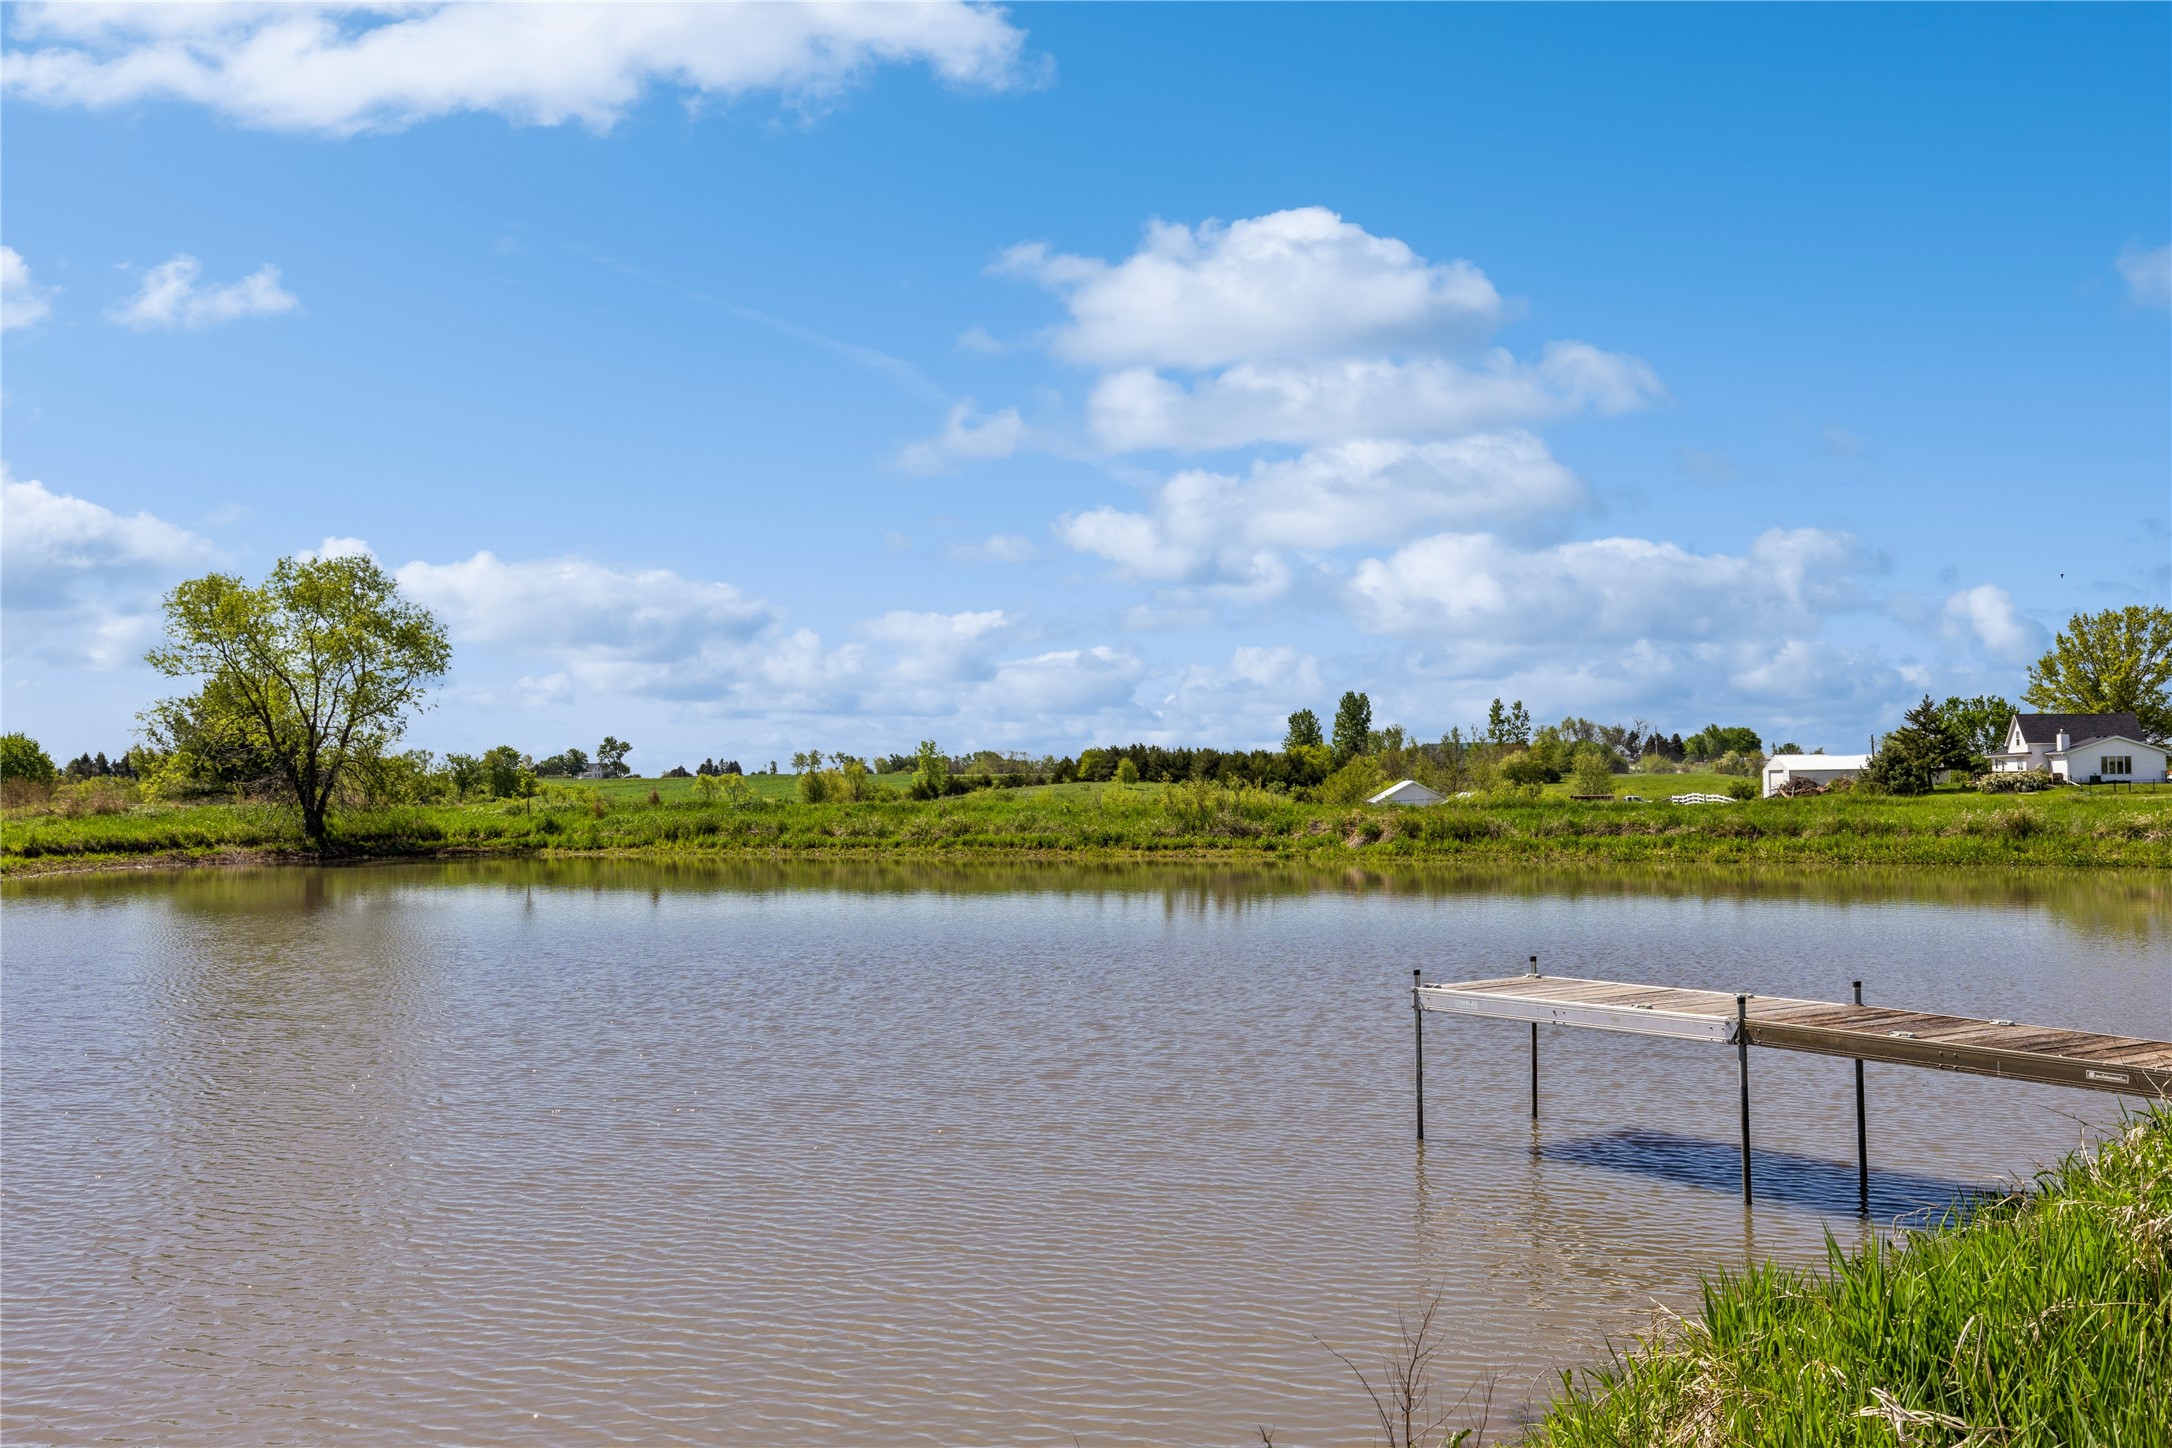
(2036, 1321)
(2066, 827)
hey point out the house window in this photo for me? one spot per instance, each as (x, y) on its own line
(2115, 764)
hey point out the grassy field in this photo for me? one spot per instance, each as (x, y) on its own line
(2063, 827)
(2037, 1321)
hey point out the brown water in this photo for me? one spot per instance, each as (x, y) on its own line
(580, 1153)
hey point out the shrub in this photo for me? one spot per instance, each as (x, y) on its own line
(94, 797)
(1355, 782)
(22, 758)
(1200, 807)
(1528, 768)
(2020, 781)
(1742, 789)
(1594, 772)
(1127, 772)
(24, 793)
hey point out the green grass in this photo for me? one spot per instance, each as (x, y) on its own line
(2036, 1321)
(2064, 827)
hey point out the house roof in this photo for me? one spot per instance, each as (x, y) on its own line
(2046, 728)
(1406, 790)
(2078, 745)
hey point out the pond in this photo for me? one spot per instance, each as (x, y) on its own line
(559, 1152)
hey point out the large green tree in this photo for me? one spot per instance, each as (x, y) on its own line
(1980, 719)
(1353, 726)
(316, 672)
(2115, 662)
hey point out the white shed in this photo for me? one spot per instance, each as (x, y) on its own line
(1406, 791)
(1824, 768)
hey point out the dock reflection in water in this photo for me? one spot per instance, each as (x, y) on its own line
(875, 1154)
(1817, 1183)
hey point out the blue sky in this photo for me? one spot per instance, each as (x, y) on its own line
(739, 381)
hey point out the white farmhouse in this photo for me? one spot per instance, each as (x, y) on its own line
(1821, 768)
(1406, 791)
(2081, 749)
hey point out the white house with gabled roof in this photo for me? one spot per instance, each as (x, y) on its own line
(2081, 749)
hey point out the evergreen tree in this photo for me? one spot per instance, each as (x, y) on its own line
(1909, 759)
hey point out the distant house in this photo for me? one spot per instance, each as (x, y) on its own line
(1781, 769)
(1406, 791)
(594, 771)
(2081, 748)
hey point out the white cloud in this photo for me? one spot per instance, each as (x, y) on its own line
(928, 656)
(584, 608)
(966, 433)
(1060, 682)
(1296, 328)
(1812, 671)
(53, 537)
(1293, 284)
(80, 582)
(336, 548)
(997, 548)
(1333, 497)
(1476, 587)
(1362, 398)
(657, 635)
(171, 300)
(1986, 614)
(2148, 274)
(342, 69)
(1248, 698)
(23, 303)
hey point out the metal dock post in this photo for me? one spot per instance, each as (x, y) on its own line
(1534, 1054)
(1417, 1013)
(1742, 1053)
(1862, 1134)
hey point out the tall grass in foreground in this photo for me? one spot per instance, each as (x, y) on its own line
(2038, 1320)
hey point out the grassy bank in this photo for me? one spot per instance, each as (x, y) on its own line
(2040, 1320)
(2063, 828)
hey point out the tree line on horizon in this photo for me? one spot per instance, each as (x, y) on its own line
(305, 683)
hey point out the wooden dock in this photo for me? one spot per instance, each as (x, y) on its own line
(2006, 1050)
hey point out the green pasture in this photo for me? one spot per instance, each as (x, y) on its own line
(2071, 827)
